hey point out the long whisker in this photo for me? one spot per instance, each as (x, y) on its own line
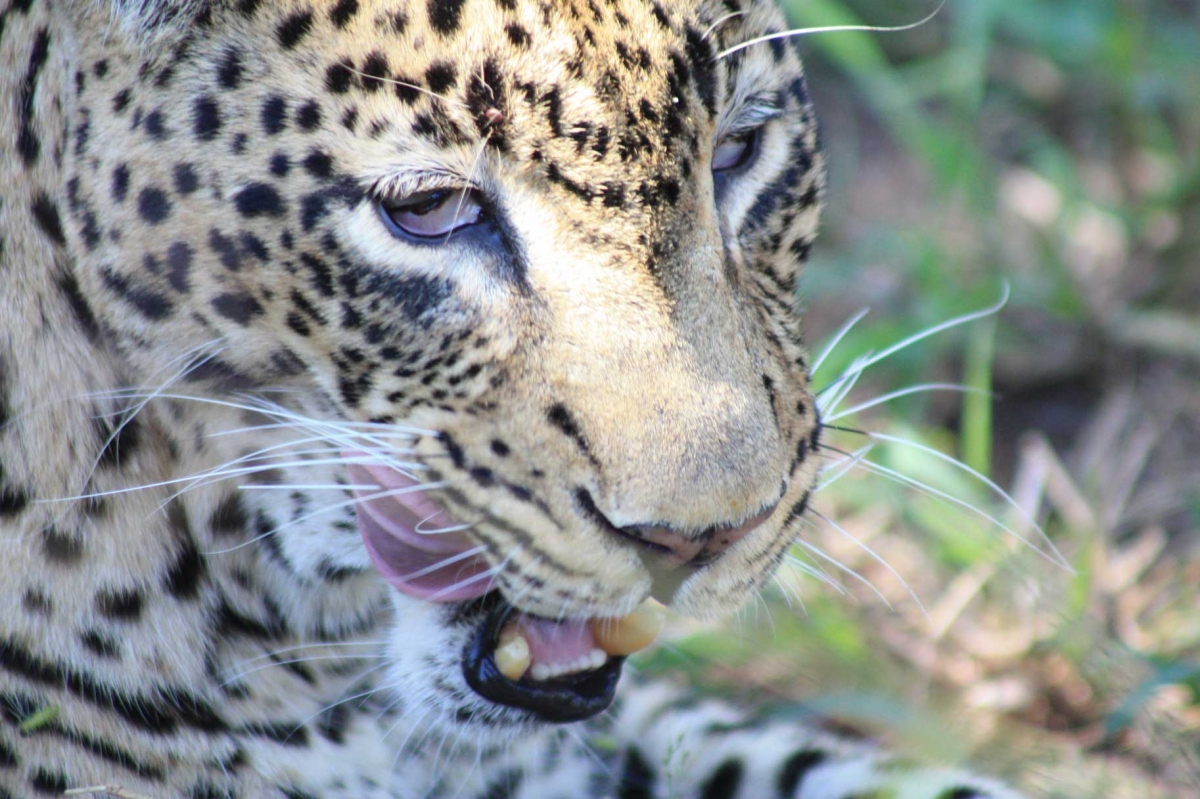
(875, 557)
(921, 388)
(938, 328)
(842, 332)
(274, 663)
(842, 466)
(987, 481)
(823, 555)
(829, 29)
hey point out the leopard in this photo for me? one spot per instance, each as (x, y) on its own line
(373, 373)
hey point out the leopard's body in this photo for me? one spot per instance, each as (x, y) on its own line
(207, 303)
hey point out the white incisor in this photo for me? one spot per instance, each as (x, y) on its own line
(614, 636)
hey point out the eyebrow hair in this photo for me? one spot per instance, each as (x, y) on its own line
(754, 111)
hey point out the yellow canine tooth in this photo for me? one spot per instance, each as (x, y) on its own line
(628, 634)
(512, 655)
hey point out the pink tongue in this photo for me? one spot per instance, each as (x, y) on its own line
(400, 530)
(556, 641)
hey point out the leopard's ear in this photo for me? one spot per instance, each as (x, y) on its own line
(150, 19)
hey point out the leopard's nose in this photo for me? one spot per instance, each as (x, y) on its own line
(689, 548)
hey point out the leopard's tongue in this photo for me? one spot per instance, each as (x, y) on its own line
(414, 546)
(407, 538)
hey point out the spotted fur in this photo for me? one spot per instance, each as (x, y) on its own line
(204, 308)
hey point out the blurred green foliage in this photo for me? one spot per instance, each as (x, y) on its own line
(1050, 145)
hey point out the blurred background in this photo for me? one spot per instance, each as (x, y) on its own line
(1053, 638)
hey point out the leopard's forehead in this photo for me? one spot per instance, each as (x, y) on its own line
(613, 101)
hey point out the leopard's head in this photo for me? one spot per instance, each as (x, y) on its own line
(554, 246)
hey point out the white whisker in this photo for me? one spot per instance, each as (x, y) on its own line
(904, 392)
(837, 338)
(875, 557)
(274, 663)
(450, 561)
(823, 555)
(828, 29)
(991, 484)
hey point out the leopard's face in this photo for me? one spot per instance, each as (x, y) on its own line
(559, 240)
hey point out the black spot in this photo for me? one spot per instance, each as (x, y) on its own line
(500, 448)
(36, 601)
(52, 783)
(82, 133)
(560, 417)
(961, 793)
(121, 100)
(229, 73)
(150, 303)
(100, 68)
(332, 723)
(179, 265)
(281, 732)
(184, 577)
(229, 518)
(120, 183)
(343, 12)
(99, 644)
(60, 547)
(406, 90)
(274, 115)
(156, 126)
(240, 308)
(28, 143)
(186, 181)
(120, 605)
(441, 76)
(293, 29)
(79, 307)
(45, 212)
(795, 768)
(444, 15)
(319, 164)
(724, 782)
(226, 250)
(637, 778)
(309, 116)
(206, 118)
(259, 199)
(153, 205)
(118, 443)
(517, 35)
(339, 77)
(280, 165)
(8, 760)
(375, 71)
(254, 246)
(701, 56)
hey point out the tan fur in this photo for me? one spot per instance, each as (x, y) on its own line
(661, 318)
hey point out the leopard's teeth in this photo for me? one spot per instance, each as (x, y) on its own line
(512, 655)
(628, 634)
(548, 671)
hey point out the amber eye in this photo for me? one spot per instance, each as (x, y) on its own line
(430, 214)
(733, 152)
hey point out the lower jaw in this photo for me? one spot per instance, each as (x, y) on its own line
(564, 699)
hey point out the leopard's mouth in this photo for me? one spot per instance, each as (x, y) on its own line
(560, 670)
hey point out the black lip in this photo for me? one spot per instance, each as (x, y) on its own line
(572, 697)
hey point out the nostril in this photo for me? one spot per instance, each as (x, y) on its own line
(696, 548)
(722, 538)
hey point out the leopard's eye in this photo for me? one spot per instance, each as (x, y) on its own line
(429, 214)
(734, 152)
